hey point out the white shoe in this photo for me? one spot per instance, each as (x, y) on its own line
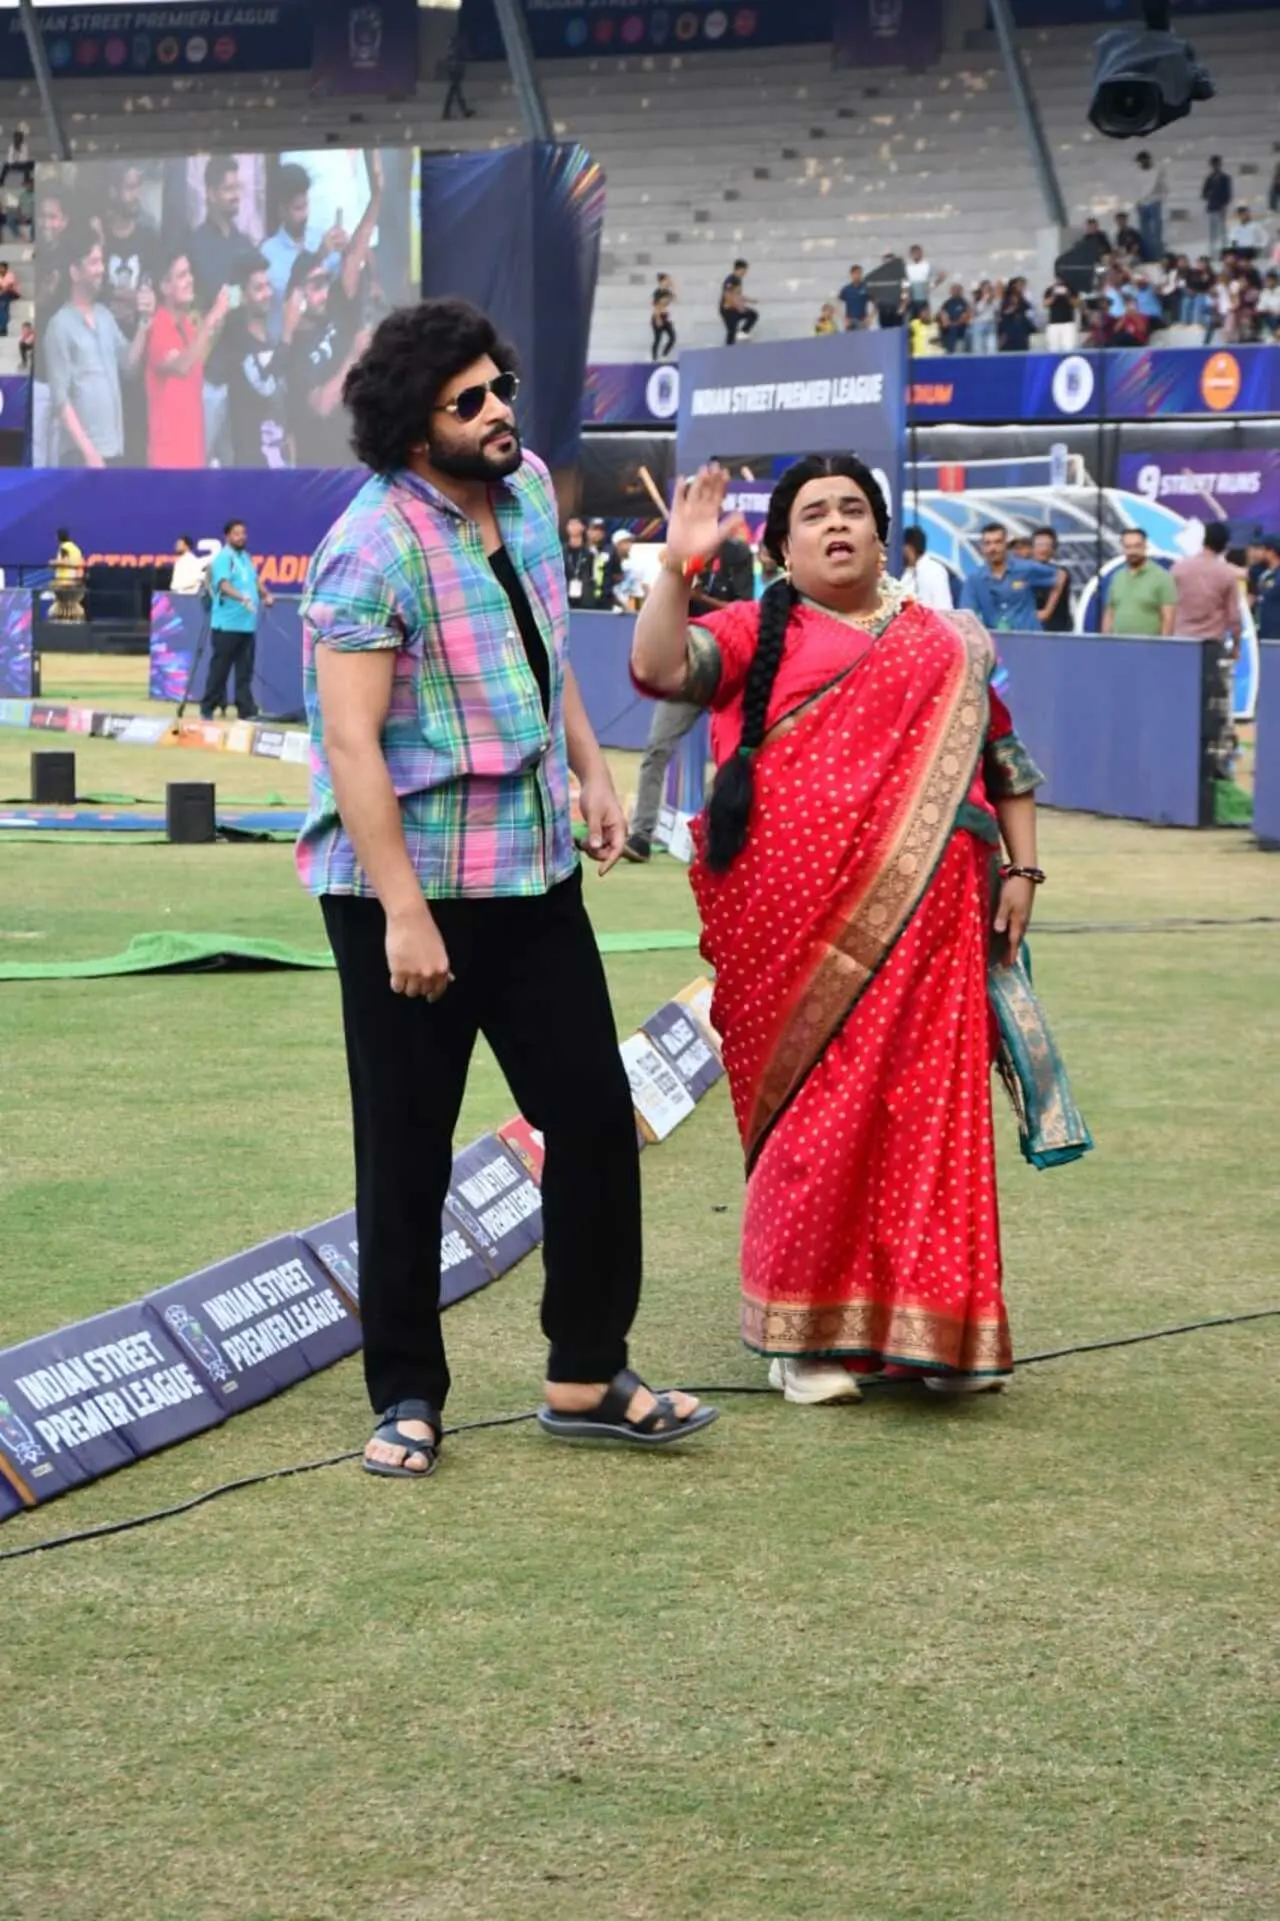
(813, 1383)
(956, 1384)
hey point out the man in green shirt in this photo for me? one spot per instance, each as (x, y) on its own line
(1141, 597)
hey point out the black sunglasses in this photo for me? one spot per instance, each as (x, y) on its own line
(469, 404)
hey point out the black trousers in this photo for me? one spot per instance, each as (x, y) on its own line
(737, 320)
(664, 338)
(529, 978)
(228, 651)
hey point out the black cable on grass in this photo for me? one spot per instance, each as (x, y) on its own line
(517, 1420)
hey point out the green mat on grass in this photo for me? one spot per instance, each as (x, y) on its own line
(172, 953)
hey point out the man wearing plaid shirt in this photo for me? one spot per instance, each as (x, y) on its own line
(444, 721)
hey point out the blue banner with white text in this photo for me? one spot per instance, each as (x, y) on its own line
(124, 41)
(843, 394)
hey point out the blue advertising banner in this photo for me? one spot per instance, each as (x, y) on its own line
(178, 624)
(91, 1398)
(365, 46)
(631, 393)
(335, 1245)
(1114, 723)
(844, 393)
(255, 1324)
(563, 29)
(17, 656)
(886, 33)
(1022, 387)
(517, 231)
(1160, 381)
(678, 1037)
(498, 1203)
(1238, 485)
(161, 40)
(134, 523)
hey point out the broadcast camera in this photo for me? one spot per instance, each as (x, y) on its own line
(1145, 77)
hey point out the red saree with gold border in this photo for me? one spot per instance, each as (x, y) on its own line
(850, 943)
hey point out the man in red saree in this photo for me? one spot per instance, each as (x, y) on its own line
(847, 882)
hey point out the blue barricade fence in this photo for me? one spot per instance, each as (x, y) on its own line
(1266, 788)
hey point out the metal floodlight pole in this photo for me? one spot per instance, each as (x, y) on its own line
(44, 80)
(519, 51)
(1029, 113)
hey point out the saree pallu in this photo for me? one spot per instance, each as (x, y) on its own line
(850, 942)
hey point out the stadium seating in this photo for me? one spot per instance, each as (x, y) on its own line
(774, 156)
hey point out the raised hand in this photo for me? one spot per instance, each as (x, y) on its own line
(695, 529)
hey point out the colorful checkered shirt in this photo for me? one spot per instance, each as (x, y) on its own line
(482, 775)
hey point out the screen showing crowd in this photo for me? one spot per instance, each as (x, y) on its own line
(203, 311)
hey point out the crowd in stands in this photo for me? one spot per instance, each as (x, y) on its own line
(1114, 288)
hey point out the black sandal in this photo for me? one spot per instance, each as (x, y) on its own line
(391, 1435)
(607, 1421)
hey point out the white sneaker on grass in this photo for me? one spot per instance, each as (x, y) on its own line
(813, 1383)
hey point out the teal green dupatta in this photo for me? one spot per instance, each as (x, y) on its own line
(1051, 1128)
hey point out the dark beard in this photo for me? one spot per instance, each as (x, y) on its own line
(479, 465)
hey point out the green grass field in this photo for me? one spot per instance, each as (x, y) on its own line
(1007, 1659)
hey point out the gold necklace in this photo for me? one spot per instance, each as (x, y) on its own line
(890, 600)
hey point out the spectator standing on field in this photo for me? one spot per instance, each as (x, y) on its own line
(189, 571)
(1266, 606)
(237, 596)
(579, 566)
(1141, 596)
(923, 576)
(1216, 195)
(1208, 589)
(1053, 604)
(1002, 591)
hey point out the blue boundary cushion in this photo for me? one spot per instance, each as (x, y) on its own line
(463, 1271)
(497, 1202)
(255, 1324)
(675, 1031)
(93, 1397)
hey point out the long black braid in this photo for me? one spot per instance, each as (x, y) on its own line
(729, 810)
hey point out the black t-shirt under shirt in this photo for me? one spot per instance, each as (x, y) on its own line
(513, 587)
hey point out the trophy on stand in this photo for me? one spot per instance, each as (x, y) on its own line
(68, 581)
